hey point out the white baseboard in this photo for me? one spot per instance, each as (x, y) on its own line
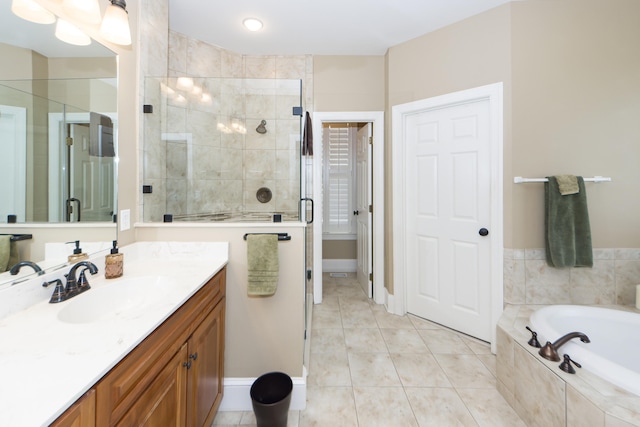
(237, 398)
(339, 265)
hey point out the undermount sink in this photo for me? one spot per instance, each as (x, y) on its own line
(118, 297)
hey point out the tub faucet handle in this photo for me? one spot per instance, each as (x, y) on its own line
(533, 342)
(566, 364)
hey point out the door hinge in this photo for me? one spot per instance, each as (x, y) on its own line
(69, 141)
(371, 277)
(371, 140)
(370, 208)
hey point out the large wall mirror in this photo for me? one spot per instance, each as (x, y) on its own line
(58, 134)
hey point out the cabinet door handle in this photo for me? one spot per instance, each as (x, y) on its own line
(193, 356)
(187, 364)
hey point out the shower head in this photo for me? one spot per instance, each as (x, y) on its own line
(261, 127)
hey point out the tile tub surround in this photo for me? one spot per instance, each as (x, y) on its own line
(544, 395)
(529, 280)
(39, 342)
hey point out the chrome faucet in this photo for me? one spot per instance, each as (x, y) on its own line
(16, 268)
(72, 287)
(550, 351)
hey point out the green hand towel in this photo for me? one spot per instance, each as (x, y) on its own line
(9, 255)
(567, 228)
(263, 264)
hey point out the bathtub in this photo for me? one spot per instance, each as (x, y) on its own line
(614, 350)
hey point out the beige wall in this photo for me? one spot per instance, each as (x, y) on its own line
(576, 109)
(262, 334)
(339, 249)
(348, 83)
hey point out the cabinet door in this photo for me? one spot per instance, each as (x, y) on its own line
(81, 414)
(206, 352)
(164, 402)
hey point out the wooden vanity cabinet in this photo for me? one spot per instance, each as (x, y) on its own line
(80, 414)
(175, 376)
(206, 373)
(164, 402)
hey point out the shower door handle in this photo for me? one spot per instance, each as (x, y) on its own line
(306, 199)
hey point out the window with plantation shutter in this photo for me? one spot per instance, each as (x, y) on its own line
(339, 176)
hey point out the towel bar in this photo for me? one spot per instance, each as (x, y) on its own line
(18, 237)
(521, 180)
(281, 236)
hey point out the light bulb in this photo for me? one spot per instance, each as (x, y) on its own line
(115, 25)
(71, 34)
(252, 24)
(83, 10)
(32, 11)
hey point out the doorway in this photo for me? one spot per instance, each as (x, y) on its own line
(375, 182)
(448, 209)
(347, 242)
(82, 167)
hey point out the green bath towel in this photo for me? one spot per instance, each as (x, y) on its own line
(263, 264)
(567, 229)
(8, 253)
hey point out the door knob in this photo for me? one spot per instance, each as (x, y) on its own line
(356, 212)
(483, 232)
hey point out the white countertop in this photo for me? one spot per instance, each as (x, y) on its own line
(46, 364)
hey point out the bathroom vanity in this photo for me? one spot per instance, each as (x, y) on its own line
(144, 349)
(174, 376)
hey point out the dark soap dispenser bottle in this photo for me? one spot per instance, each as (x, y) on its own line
(113, 263)
(77, 254)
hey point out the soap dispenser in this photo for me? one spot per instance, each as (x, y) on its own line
(77, 254)
(113, 263)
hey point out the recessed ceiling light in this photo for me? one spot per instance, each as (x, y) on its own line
(252, 24)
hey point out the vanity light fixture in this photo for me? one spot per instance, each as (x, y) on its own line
(115, 24)
(32, 11)
(83, 10)
(68, 33)
(252, 24)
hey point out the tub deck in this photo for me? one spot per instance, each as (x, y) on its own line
(542, 394)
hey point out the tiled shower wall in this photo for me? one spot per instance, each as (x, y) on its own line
(205, 156)
(528, 279)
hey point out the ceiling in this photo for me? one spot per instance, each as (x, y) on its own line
(326, 27)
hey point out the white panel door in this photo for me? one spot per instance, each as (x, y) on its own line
(13, 149)
(363, 200)
(449, 203)
(91, 180)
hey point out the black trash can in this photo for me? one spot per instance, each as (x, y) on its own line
(270, 397)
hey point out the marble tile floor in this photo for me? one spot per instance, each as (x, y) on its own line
(369, 368)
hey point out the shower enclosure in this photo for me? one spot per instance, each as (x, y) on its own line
(222, 149)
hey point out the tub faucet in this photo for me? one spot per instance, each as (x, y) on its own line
(16, 268)
(550, 351)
